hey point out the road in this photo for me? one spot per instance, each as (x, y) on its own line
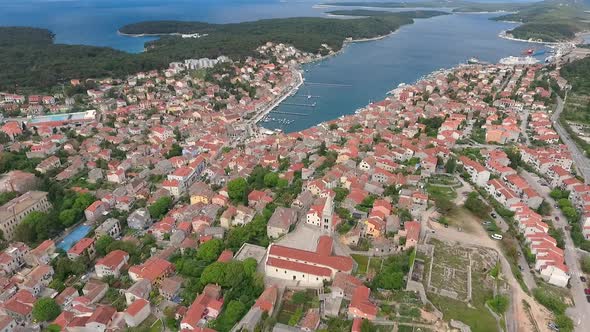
(580, 312)
(581, 163)
(523, 126)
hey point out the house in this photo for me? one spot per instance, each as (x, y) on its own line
(36, 281)
(7, 323)
(139, 290)
(137, 312)
(84, 247)
(200, 192)
(344, 285)
(100, 318)
(139, 219)
(13, 212)
(170, 287)
(111, 264)
(20, 306)
(206, 306)
(307, 268)
(412, 231)
(12, 259)
(154, 269)
(280, 222)
(41, 254)
(478, 174)
(360, 306)
(95, 210)
(110, 227)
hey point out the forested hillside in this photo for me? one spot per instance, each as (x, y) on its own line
(30, 59)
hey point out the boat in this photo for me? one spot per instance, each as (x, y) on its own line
(529, 51)
(473, 61)
(514, 60)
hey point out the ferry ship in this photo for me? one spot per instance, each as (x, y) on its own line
(473, 61)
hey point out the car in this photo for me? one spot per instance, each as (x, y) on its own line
(493, 215)
(553, 326)
(588, 298)
(582, 279)
(487, 222)
(432, 231)
(496, 236)
(520, 268)
(587, 291)
(557, 218)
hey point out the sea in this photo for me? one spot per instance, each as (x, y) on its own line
(362, 73)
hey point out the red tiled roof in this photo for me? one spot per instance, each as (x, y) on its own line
(136, 307)
(300, 267)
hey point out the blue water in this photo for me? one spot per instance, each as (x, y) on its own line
(374, 68)
(371, 68)
(74, 236)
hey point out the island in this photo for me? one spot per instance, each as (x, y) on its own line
(544, 21)
(32, 60)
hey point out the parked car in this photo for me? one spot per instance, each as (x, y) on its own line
(582, 278)
(493, 215)
(557, 218)
(587, 291)
(588, 298)
(553, 326)
(520, 268)
(497, 236)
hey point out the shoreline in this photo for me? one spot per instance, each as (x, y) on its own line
(504, 34)
(258, 117)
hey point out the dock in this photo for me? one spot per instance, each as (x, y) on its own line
(289, 113)
(329, 84)
(300, 104)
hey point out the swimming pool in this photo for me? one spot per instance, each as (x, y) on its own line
(74, 236)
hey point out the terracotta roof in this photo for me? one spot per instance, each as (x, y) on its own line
(136, 307)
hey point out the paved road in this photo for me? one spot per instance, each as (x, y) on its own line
(523, 126)
(580, 312)
(581, 163)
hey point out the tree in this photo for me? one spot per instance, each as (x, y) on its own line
(210, 250)
(160, 207)
(102, 244)
(585, 263)
(53, 328)
(236, 189)
(175, 150)
(230, 316)
(477, 206)
(46, 309)
(271, 180)
(451, 165)
(68, 217)
(26, 231)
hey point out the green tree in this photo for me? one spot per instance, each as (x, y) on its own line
(160, 207)
(102, 244)
(210, 250)
(68, 217)
(26, 231)
(271, 180)
(46, 309)
(585, 263)
(451, 165)
(230, 316)
(237, 189)
(477, 206)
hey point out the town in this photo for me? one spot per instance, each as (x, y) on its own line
(156, 202)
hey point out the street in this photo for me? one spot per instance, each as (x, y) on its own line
(580, 312)
(581, 163)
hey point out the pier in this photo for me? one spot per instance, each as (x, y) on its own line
(300, 104)
(330, 84)
(289, 113)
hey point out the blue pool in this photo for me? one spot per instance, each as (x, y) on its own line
(74, 236)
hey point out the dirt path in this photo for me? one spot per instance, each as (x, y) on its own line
(517, 319)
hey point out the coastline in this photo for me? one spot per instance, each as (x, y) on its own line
(258, 117)
(504, 34)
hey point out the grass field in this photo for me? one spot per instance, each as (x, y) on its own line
(449, 272)
(363, 262)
